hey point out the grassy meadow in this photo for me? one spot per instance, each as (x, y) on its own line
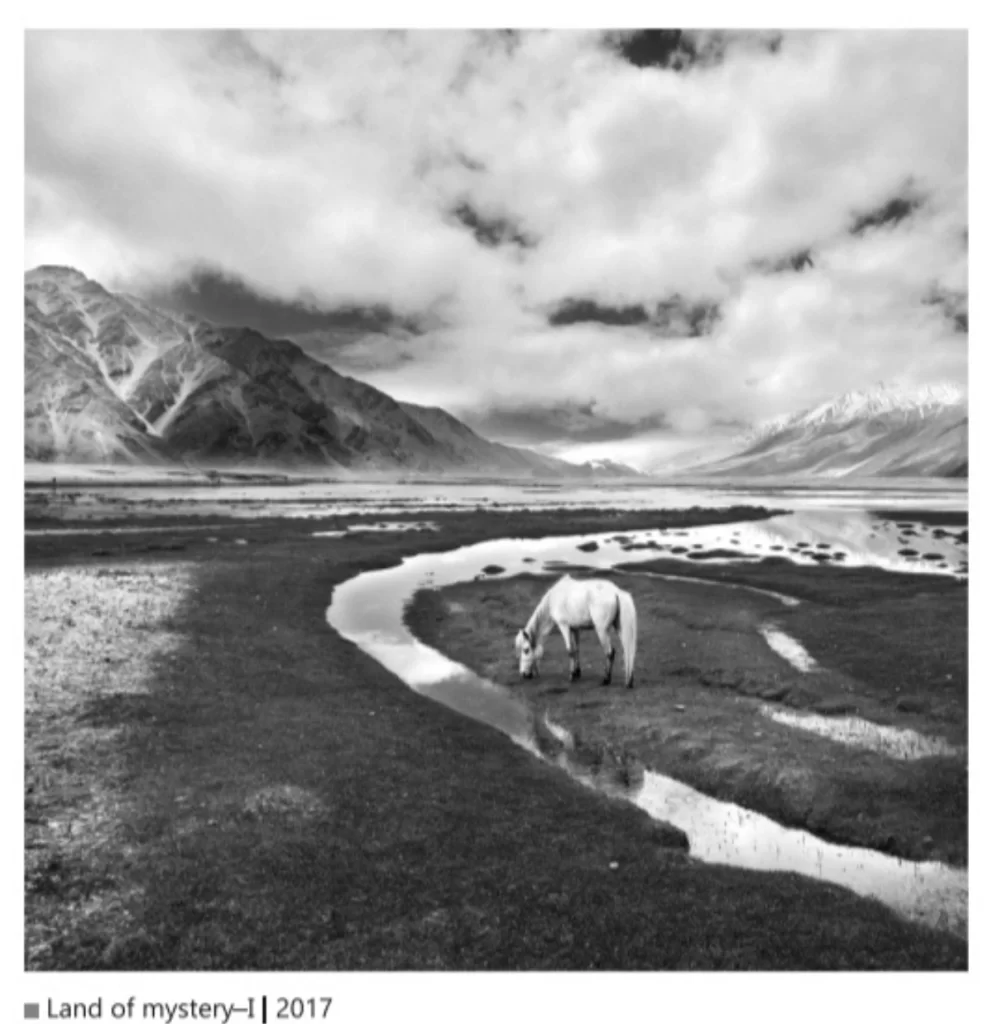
(891, 649)
(214, 780)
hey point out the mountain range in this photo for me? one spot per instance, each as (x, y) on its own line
(110, 378)
(880, 432)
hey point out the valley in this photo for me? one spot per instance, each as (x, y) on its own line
(215, 720)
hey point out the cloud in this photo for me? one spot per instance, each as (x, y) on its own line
(549, 424)
(553, 209)
(214, 297)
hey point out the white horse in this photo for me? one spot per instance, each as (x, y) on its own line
(573, 605)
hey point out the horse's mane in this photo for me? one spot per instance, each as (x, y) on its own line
(540, 615)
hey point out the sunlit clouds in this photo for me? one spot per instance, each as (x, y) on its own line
(798, 200)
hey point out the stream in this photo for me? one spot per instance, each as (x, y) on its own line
(369, 610)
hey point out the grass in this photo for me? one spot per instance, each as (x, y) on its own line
(217, 781)
(891, 649)
(896, 636)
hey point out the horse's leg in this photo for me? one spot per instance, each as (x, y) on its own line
(576, 670)
(568, 635)
(603, 632)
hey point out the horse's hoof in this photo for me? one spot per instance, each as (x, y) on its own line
(606, 682)
(575, 675)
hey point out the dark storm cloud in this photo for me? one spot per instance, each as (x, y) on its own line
(676, 49)
(893, 211)
(697, 319)
(670, 318)
(224, 300)
(800, 260)
(491, 231)
(583, 311)
(656, 48)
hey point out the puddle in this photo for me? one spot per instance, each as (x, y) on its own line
(809, 537)
(900, 744)
(787, 648)
(369, 611)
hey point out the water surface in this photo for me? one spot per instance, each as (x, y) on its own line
(369, 610)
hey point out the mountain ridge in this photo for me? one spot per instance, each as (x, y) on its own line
(882, 431)
(111, 378)
(859, 404)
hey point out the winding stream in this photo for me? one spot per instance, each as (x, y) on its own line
(369, 609)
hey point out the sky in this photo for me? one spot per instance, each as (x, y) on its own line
(601, 244)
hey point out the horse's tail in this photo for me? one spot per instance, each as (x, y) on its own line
(628, 628)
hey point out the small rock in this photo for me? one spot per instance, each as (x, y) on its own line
(680, 707)
(614, 865)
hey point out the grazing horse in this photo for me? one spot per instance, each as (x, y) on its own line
(573, 605)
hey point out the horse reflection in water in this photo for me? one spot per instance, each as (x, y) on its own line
(575, 605)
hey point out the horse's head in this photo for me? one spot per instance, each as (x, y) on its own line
(528, 653)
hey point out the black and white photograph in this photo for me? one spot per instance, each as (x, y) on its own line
(495, 501)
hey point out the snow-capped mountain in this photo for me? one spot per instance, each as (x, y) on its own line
(883, 431)
(109, 378)
(920, 402)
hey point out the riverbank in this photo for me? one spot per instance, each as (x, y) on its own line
(882, 656)
(216, 781)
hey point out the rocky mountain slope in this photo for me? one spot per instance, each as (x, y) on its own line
(109, 378)
(70, 405)
(880, 432)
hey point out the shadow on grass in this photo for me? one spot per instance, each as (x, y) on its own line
(274, 800)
